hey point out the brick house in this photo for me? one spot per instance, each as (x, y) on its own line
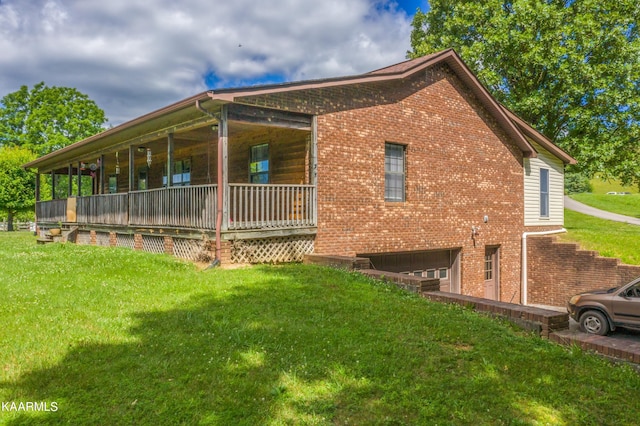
(415, 166)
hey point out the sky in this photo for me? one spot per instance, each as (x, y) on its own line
(136, 56)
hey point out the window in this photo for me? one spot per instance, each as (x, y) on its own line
(181, 173)
(488, 266)
(441, 273)
(259, 164)
(393, 172)
(113, 184)
(544, 192)
(142, 179)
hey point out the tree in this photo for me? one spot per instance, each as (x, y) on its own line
(570, 68)
(44, 119)
(17, 186)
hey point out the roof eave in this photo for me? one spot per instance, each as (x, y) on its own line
(448, 56)
(162, 112)
(541, 139)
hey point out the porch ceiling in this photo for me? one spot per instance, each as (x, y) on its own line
(183, 119)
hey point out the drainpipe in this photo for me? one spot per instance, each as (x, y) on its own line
(220, 200)
(524, 258)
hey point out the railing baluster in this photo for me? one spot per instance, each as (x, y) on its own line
(252, 206)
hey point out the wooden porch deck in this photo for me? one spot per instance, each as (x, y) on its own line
(246, 207)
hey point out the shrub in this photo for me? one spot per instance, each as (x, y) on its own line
(576, 183)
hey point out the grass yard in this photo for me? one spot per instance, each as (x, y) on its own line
(603, 186)
(628, 205)
(610, 239)
(113, 336)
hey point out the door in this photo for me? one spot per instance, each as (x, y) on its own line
(626, 306)
(491, 275)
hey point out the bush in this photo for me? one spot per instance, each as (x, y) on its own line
(575, 183)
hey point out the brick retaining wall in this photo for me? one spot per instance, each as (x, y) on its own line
(558, 270)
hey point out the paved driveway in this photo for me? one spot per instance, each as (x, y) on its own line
(574, 205)
(620, 344)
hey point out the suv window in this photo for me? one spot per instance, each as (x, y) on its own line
(633, 291)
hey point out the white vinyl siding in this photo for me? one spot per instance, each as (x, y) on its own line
(532, 211)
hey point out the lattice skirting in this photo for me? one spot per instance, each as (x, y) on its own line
(102, 239)
(83, 238)
(153, 244)
(191, 249)
(125, 240)
(272, 250)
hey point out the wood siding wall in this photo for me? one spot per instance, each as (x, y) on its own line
(532, 168)
(288, 154)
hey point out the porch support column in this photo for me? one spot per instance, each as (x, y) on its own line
(223, 169)
(169, 160)
(53, 184)
(313, 165)
(80, 179)
(38, 186)
(101, 190)
(70, 178)
(132, 168)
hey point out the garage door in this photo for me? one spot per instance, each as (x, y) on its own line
(441, 264)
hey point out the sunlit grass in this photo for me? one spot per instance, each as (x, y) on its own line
(115, 336)
(628, 205)
(608, 238)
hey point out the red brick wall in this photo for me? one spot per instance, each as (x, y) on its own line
(556, 271)
(460, 167)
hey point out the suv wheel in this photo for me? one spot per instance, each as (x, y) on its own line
(594, 322)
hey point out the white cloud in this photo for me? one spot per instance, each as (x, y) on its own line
(132, 56)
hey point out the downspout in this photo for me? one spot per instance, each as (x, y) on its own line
(220, 199)
(524, 258)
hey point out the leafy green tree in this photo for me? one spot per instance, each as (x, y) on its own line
(568, 67)
(17, 186)
(44, 118)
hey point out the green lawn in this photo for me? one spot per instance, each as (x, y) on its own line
(113, 336)
(610, 239)
(628, 205)
(603, 186)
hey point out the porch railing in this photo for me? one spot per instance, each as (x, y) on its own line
(180, 206)
(52, 211)
(271, 206)
(106, 209)
(194, 207)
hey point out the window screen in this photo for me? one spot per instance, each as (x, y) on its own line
(393, 172)
(544, 192)
(259, 164)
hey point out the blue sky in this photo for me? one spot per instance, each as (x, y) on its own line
(135, 56)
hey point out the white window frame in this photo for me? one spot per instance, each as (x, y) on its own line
(545, 176)
(392, 172)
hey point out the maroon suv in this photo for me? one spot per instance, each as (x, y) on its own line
(600, 311)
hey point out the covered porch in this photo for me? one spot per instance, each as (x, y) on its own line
(221, 170)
